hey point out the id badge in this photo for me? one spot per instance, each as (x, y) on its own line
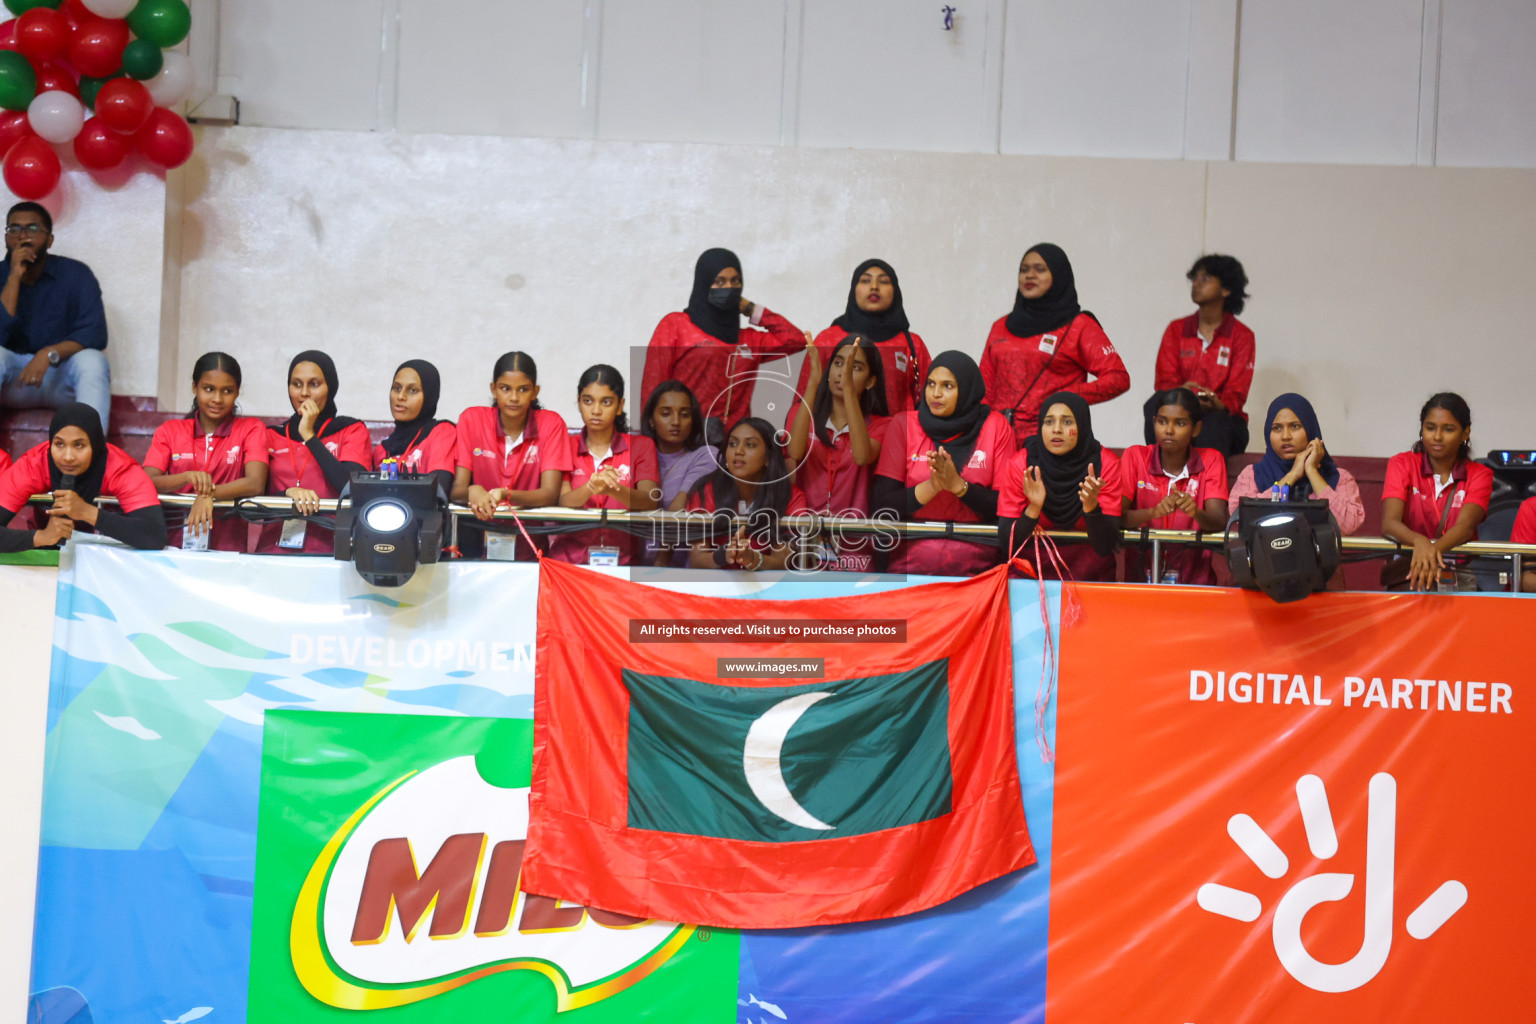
(197, 540)
(1048, 344)
(602, 556)
(501, 547)
(294, 532)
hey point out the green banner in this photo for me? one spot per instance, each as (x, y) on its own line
(387, 870)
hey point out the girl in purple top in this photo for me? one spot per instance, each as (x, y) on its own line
(675, 422)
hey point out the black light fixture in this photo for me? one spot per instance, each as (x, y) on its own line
(1288, 549)
(393, 524)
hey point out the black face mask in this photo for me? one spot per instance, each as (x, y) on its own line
(725, 298)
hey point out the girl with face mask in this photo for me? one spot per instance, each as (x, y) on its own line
(706, 347)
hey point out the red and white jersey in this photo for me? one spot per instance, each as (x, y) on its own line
(1225, 365)
(634, 457)
(124, 480)
(434, 452)
(1010, 496)
(832, 482)
(545, 444)
(904, 364)
(1020, 373)
(1143, 482)
(721, 376)
(1411, 479)
(179, 446)
(1524, 531)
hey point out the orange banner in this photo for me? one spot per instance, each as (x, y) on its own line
(1295, 814)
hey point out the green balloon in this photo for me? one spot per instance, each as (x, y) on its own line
(20, 7)
(90, 86)
(142, 59)
(18, 82)
(162, 22)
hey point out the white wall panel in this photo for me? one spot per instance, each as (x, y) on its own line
(1327, 82)
(1488, 84)
(574, 250)
(500, 69)
(888, 76)
(1096, 78)
(692, 70)
(1373, 288)
(302, 63)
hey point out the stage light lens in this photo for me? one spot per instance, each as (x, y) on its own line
(1280, 520)
(386, 517)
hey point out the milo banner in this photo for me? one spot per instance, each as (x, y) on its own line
(276, 794)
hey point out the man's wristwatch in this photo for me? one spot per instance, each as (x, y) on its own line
(53, 357)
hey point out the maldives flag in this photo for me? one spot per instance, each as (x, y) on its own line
(679, 775)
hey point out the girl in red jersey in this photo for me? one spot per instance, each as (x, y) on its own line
(77, 466)
(1434, 498)
(753, 481)
(1047, 344)
(1297, 464)
(213, 453)
(1172, 485)
(1524, 532)
(875, 311)
(420, 442)
(1211, 354)
(706, 347)
(1063, 479)
(942, 463)
(835, 460)
(512, 452)
(311, 456)
(612, 469)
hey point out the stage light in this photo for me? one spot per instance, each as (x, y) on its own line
(1287, 549)
(392, 525)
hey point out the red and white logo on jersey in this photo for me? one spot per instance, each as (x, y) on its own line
(532, 454)
(229, 456)
(333, 447)
(978, 460)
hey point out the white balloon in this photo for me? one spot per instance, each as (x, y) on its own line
(110, 8)
(55, 115)
(174, 82)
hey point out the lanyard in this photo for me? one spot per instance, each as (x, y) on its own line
(293, 460)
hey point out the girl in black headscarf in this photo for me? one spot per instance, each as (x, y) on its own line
(1063, 479)
(420, 442)
(875, 310)
(1047, 344)
(77, 466)
(942, 462)
(706, 347)
(313, 455)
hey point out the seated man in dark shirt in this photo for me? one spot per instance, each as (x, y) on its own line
(52, 323)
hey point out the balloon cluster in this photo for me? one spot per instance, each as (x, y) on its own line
(60, 58)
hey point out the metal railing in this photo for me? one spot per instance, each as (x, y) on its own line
(814, 525)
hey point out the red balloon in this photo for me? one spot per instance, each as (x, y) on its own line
(124, 105)
(99, 147)
(76, 13)
(166, 140)
(14, 127)
(31, 168)
(8, 35)
(53, 78)
(42, 34)
(97, 48)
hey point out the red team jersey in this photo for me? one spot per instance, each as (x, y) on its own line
(1225, 365)
(1143, 484)
(180, 447)
(904, 459)
(434, 452)
(124, 480)
(1524, 531)
(635, 459)
(904, 363)
(1020, 373)
(831, 481)
(680, 349)
(482, 448)
(1082, 561)
(290, 464)
(1411, 479)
